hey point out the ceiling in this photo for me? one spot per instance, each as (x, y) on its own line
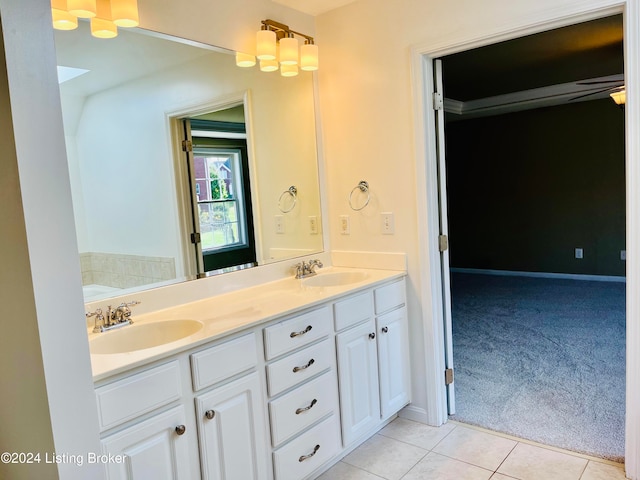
(313, 7)
(564, 55)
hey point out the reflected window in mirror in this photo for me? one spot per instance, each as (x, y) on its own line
(221, 192)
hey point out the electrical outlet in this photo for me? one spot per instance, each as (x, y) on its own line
(279, 224)
(623, 254)
(345, 225)
(313, 225)
(579, 253)
(387, 226)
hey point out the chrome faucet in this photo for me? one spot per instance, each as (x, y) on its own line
(307, 269)
(114, 318)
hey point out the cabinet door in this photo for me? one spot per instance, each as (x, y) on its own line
(154, 449)
(393, 361)
(358, 377)
(232, 430)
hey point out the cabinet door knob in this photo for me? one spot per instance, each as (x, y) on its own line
(302, 332)
(297, 369)
(300, 410)
(372, 335)
(210, 414)
(385, 329)
(180, 429)
(306, 457)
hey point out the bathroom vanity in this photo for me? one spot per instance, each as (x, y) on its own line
(279, 382)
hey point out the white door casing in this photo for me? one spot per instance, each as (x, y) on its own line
(431, 294)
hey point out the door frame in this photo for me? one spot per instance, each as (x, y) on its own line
(430, 293)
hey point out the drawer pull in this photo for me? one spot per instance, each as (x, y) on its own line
(372, 336)
(210, 414)
(306, 457)
(303, 367)
(297, 334)
(180, 429)
(385, 329)
(304, 409)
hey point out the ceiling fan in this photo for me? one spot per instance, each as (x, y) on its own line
(615, 89)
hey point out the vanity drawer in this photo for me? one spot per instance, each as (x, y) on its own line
(353, 310)
(296, 332)
(297, 458)
(223, 361)
(138, 394)
(389, 296)
(300, 366)
(295, 411)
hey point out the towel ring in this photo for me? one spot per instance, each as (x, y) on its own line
(363, 186)
(293, 191)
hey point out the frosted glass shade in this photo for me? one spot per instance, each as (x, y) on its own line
(102, 28)
(289, 51)
(266, 45)
(82, 8)
(245, 60)
(269, 65)
(288, 70)
(619, 97)
(125, 13)
(62, 19)
(309, 57)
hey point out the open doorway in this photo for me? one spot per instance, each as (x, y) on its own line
(530, 193)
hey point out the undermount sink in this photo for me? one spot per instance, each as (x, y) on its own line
(141, 336)
(335, 279)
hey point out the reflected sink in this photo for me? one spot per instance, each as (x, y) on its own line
(141, 336)
(335, 279)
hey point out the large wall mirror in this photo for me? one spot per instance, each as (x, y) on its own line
(125, 102)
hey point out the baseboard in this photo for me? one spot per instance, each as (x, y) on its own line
(568, 276)
(417, 414)
(378, 260)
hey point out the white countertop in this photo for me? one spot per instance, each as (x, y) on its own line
(225, 314)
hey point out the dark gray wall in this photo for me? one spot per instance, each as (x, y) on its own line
(525, 189)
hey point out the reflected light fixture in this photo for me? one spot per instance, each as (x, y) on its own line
(62, 19)
(278, 48)
(106, 15)
(620, 97)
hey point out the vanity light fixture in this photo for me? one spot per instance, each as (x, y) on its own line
(291, 57)
(106, 15)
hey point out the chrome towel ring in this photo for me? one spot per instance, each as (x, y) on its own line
(293, 192)
(363, 186)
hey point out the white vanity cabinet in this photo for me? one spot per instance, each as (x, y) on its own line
(303, 393)
(373, 364)
(154, 445)
(230, 416)
(281, 399)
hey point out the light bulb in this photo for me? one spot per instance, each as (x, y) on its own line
(82, 8)
(266, 45)
(288, 70)
(125, 13)
(309, 57)
(289, 51)
(62, 19)
(245, 60)
(269, 65)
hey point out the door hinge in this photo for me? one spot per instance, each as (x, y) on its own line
(448, 376)
(438, 103)
(195, 238)
(187, 146)
(443, 243)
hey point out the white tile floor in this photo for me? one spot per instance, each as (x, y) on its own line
(406, 450)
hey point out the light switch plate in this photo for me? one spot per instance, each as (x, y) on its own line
(387, 223)
(345, 225)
